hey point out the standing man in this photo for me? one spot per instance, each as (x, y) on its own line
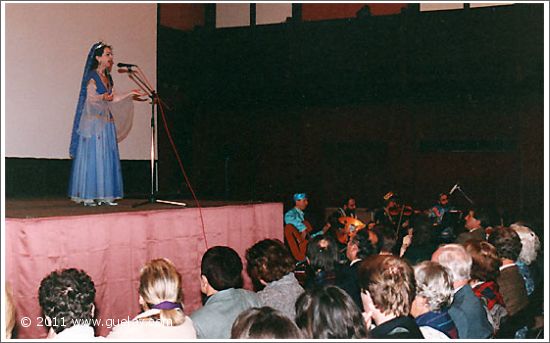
(296, 215)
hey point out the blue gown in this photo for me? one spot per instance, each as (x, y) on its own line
(96, 172)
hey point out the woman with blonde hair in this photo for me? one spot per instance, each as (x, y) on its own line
(161, 298)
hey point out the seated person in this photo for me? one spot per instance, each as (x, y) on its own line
(387, 291)
(329, 313)
(271, 267)
(466, 310)
(434, 293)
(221, 282)
(161, 298)
(264, 323)
(322, 262)
(67, 301)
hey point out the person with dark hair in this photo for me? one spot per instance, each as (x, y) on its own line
(322, 262)
(438, 210)
(510, 282)
(484, 273)
(346, 209)
(387, 239)
(359, 247)
(387, 290)
(270, 265)
(476, 222)
(96, 175)
(422, 243)
(67, 301)
(221, 282)
(264, 323)
(329, 313)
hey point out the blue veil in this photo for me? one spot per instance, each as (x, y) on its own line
(82, 98)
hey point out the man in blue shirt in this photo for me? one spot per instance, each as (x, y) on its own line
(295, 216)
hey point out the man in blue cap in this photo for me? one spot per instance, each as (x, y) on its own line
(295, 216)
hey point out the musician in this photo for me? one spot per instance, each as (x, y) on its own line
(296, 215)
(439, 209)
(347, 210)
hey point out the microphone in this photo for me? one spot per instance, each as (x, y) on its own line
(125, 65)
(454, 188)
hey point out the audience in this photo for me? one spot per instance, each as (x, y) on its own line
(270, 264)
(530, 246)
(221, 282)
(387, 239)
(510, 282)
(359, 247)
(322, 262)
(264, 323)
(10, 311)
(67, 301)
(329, 313)
(476, 222)
(161, 298)
(485, 270)
(466, 310)
(422, 243)
(387, 290)
(434, 294)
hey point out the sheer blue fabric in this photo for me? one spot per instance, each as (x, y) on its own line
(96, 172)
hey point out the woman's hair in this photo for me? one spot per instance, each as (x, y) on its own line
(529, 241)
(159, 282)
(269, 260)
(223, 267)
(98, 52)
(10, 311)
(329, 312)
(507, 242)
(485, 261)
(434, 283)
(390, 282)
(322, 253)
(424, 232)
(263, 323)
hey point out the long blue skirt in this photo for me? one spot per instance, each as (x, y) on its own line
(96, 173)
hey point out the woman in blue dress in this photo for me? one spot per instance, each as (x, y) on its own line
(96, 176)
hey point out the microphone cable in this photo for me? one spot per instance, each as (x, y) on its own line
(174, 148)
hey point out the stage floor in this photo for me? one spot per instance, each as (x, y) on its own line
(57, 207)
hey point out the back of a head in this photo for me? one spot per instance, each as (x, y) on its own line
(506, 241)
(390, 282)
(434, 283)
(424, 232)
(223, 267)
(530, 243)
(10, 311)
(160, 288)
(66, 297)
(264, 323)
(269, 260)
(365, 246)
(456, 259)
(329, 313)
(485, 260)
(322, 253)
(387, 238)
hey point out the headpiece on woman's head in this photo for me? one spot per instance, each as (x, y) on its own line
(82, 97)
(299, 196)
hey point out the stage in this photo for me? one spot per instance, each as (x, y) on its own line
(111, 243)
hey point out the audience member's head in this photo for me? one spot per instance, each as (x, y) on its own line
(160, 289)
(485, 260)
(387, 238)
(423, 233)
(480, 218)
(264, 323)
(221, 268)
(66, 297)
(530, 243)
(387, 286)
(434, 288)
(507, 243)
(322, 253)
(360, 245)
(10, 311)
(268, 260)
(329, 313)
(457, 260)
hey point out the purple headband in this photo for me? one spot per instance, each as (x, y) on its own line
(167, 305)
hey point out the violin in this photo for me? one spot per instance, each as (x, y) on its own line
(406, 209)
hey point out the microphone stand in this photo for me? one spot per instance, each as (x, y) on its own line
(141, 81)
(464, 194)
